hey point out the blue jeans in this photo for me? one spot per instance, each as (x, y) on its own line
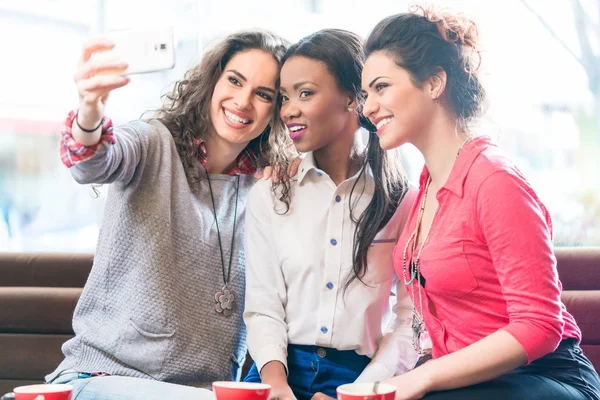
(127, 388)
(313, 369)
(564, 374)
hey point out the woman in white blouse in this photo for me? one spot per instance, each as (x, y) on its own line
(319, 247)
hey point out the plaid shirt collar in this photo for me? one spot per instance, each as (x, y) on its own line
(245, 163)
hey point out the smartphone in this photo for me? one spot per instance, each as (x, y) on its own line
(143, 50)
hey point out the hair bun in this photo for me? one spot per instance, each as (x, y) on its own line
(453, 27)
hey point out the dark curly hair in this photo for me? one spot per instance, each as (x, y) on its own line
(186, 109)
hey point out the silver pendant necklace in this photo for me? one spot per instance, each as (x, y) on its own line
(412, 275)
(225, 298)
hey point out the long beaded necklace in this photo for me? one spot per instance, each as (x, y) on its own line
(418, 323)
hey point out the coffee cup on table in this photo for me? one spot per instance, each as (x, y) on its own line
(241, 390)
(366, 391)
(44, 392)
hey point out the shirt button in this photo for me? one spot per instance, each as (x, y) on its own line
(324, 329)
(321, 352)
(338, 198)
(333, 242)
(329, 285)
(319, 174)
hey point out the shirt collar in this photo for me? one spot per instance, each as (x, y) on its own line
(308, 163)
(462, 165)
(245, 163)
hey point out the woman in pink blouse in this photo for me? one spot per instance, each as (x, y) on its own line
(476, 254)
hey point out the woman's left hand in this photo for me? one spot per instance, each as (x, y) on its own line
(269, 171)
(411, 385)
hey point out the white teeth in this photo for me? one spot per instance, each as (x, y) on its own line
(296, 128)
(383, 122)
(235, 119)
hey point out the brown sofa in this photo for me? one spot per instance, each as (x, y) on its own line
(38, 293)
(579, 271)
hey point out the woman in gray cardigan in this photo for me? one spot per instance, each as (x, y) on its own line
(161, 312)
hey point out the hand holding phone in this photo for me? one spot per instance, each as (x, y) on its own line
(95, 79)
(105, 62)
(142, 50)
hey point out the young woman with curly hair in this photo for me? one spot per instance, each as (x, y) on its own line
(164, 299)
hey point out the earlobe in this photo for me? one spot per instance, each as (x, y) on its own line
(352, 105)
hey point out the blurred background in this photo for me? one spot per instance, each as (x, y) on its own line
(541, 65)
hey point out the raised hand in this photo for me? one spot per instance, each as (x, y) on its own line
(95, 79)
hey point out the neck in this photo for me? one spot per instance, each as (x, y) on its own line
(439, 145)
(340, 159)
(221, 155)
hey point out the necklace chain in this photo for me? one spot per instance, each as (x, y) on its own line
(225, 297)
(414, 266)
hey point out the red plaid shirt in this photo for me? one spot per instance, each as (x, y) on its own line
(245, 163)
(72, 153)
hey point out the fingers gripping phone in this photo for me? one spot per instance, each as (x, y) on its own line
(143, 50)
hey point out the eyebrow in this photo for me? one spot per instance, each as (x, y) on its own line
(375, 80)
(242, 77)
(297, 85)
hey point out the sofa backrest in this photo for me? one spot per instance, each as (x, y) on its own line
(579, 272)
(38, 293)
(44, 270)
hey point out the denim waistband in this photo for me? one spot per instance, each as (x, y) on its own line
(348, 358)
(69, 375)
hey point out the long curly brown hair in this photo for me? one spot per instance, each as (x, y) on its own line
(186, 108)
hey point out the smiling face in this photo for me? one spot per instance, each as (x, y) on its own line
(395, 105)
(244, 96)
(314, 108)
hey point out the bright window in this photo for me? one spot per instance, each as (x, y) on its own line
(541, 108)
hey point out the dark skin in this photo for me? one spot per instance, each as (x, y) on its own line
(311, 97)
(313, 101)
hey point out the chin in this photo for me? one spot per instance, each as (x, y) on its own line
(303, 148)
(233, 136)
(304, 145)
(388, 143)
(392, 140)
(238, 139)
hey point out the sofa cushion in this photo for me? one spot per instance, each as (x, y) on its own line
(578, 267)
(7, 385)
(584, 305)
(30, 356)
(47, 270)
(37, 309)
